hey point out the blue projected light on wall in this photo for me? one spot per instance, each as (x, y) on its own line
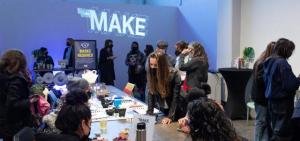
(115, 22)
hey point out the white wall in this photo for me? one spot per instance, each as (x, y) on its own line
(198, 21)
(229, 18)
(263, 21)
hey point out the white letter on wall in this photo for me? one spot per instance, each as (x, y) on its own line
(99, 23)
(140, 25)
(114, 24)
(127, 24)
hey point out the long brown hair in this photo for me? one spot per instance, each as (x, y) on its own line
(268, 52)
(13, 61)
(199, 51)
(159, 82)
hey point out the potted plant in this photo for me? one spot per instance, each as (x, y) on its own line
(248, 56)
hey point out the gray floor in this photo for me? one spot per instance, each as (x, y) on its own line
(245, 130)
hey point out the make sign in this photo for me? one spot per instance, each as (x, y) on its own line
(115, 22)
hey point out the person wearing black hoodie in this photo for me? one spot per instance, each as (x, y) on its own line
(281, 85)
(258, 96)
(135, 61)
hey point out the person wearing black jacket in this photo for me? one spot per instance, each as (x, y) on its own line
(163, 87)
(196, 68)
(14, 94)
(262, 127)
(106, 63)
(281, 85)
(69, 53)
(135, 61)
(45, 59)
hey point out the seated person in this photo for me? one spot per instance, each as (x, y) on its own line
(208, 122)
(78, 83)
(194, 94)
(76, 95)
(73, 120)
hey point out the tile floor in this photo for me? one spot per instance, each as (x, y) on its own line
(245, 130)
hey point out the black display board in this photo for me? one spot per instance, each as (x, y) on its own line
(85, 54)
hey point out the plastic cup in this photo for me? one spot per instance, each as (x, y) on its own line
(117, 103)
(103, 124)
(122, 112)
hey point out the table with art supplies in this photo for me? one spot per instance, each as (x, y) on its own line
(114, 115)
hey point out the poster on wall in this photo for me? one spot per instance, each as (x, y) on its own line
(85, 54)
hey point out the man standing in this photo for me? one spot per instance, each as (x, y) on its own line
(69, 53)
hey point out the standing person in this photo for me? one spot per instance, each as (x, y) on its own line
(162, 47)
(106, 63)
(163, 87)
(14, 94)
(69, 53)
(296, 121)
(281, 85)
(262, 126)
(135, 61)
(149, 49)
(180, 46)
(196, 68)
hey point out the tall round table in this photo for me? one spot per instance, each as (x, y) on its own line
(236, 80)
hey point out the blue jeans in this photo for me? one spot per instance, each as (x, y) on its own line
(261, 123)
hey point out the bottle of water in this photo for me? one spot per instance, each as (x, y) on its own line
(141, 132)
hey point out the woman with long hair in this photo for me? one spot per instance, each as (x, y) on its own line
(163, 87)
(14, 94)
(258, 96)
(106, 63)
(197, 66)
(208, 122)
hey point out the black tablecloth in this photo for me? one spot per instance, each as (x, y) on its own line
(236, 80)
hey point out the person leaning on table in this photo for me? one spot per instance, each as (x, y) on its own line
(163, 87)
